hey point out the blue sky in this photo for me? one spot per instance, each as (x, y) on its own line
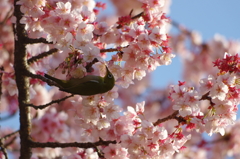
(207, 17)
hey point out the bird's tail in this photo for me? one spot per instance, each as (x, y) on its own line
(58, 81)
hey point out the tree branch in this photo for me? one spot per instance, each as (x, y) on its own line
(9, 135)
(10, 142)
(52, 102)
(3, 149)
(137, 16)
(89, 65)
(181, 28)
(20, 67)
(113, 49)
(42, 55)
(172, 116)
(109, 50)
(72, 144)
(133, 18)
(206, 97)
(181, 119)
(99, 152)
(1, 74)
(34, 41)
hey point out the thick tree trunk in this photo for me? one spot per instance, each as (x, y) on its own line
(20, 67)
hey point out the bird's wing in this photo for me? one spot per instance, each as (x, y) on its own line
(90, 79)
(90, 87)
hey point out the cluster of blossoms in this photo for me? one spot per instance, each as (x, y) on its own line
(69, 26)
(136, 136)
(73, 29)
(48, 128)
(221, 90)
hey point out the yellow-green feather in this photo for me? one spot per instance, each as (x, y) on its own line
(88, 85)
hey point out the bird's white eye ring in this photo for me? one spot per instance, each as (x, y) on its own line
(110, 76)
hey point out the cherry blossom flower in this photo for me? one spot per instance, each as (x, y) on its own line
(219, 90)
(206, 84)
(63, 8)
(115, 151)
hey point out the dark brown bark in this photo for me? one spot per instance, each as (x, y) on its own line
(20, 67)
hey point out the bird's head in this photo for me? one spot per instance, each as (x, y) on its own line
(109, 80)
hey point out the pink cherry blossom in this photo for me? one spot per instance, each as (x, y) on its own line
(63, 8)
(219, 90)
(115, 151)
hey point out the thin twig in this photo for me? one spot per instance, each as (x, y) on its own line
(206, 97)
(113, 49)
(10, 142)
(133, 18)
(42, 55)
(137, 16)
(180, 119)
(3, 149)
(1, 74)
(34, 41)
(89, 65)
(109, 50)
(9, 135)
(72, 144)
(99, 152)
(172, 116)
(180, 27)
(52, 102)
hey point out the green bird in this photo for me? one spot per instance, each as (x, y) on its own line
(86, 86)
